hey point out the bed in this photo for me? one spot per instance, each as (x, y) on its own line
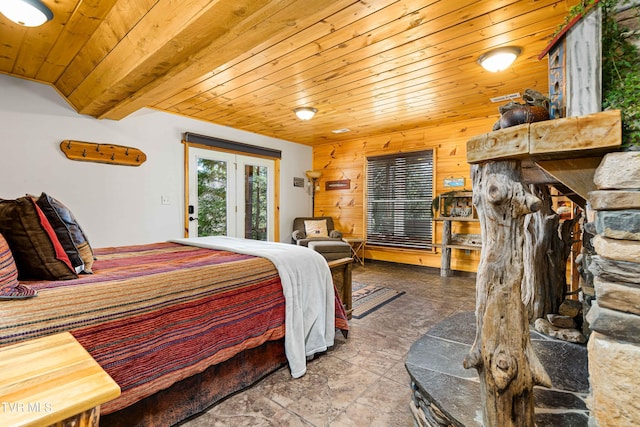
(178, 325)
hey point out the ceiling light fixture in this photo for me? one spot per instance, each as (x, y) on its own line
(499, 59)
(29, 13)
(305, 113)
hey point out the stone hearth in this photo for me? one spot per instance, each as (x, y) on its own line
(446, 394)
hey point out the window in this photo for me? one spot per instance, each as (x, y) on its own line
(400, 190)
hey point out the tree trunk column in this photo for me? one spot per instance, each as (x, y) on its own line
(502, 353)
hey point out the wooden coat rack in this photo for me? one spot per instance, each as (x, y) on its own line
(102, 153)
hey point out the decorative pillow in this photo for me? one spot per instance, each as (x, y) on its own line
(69, 232)
(316, 228)
(298, 235)
(36, 249)
(9, 286)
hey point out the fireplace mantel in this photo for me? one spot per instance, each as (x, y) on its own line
(568, 149)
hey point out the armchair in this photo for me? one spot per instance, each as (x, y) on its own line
(309, 229)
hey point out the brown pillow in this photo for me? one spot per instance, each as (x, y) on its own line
(10, 288)
(35, 247)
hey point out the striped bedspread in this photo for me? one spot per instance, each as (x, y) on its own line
(154, 314)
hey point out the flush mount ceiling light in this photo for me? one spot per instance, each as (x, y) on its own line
(305, 113)
(499, 59)
(29, 13)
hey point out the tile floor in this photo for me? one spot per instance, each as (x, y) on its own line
(362, 381)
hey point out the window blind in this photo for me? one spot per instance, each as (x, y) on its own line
(399, 197)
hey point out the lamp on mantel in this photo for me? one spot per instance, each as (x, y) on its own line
(499, 59)
(313, 176)
(29, 13)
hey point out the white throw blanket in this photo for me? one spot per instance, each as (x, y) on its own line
(308, 291)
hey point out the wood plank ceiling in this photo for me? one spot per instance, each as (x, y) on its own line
(372, 66)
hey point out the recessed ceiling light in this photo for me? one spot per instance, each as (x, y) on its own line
(343, 130)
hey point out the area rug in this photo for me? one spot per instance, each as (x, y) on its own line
(368, 298)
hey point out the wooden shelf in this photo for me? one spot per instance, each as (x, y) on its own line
(462, 247)
(465, 241)
(456, 218)
(568, 150)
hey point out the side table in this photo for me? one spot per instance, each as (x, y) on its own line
(357, 245)
(52, 381)
(341, 274)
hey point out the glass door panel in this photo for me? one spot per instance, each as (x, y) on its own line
(230, 195)
(256, 202)
(212, 198)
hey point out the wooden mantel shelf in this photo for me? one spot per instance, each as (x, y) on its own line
(568, 149)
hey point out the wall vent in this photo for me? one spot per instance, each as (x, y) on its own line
(503, 98)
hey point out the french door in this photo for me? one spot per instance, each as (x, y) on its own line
(230, 195)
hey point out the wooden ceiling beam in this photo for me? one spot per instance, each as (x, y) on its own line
(160, 41)
(78, 27)
(244, 35)
(113, 28)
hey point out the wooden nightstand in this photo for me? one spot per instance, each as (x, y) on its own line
(52, 380)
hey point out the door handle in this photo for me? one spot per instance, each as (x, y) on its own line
(192, 218)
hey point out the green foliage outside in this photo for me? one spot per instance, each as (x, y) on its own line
(212, 198)
(256, 203)
(621, 74)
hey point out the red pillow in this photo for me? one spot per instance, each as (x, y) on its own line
(61, 254)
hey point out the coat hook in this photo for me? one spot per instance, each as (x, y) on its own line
(113, 156)
(126, 152)
(69, 145)
(98, 148)
(138, 158)
(84, 152)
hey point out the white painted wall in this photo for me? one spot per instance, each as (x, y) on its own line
(118, 205)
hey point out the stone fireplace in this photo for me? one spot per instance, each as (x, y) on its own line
(569, 150)
(614, 318)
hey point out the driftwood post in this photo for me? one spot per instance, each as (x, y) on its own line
(544, 283)
(502, 353)
(547, 246)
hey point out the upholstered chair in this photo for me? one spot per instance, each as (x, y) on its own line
(310, 229)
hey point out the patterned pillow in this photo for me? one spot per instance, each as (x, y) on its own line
(36, 249)
(9, 286)
(316, 228)
(69, 232)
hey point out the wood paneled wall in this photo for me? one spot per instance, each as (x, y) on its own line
(347, 160)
